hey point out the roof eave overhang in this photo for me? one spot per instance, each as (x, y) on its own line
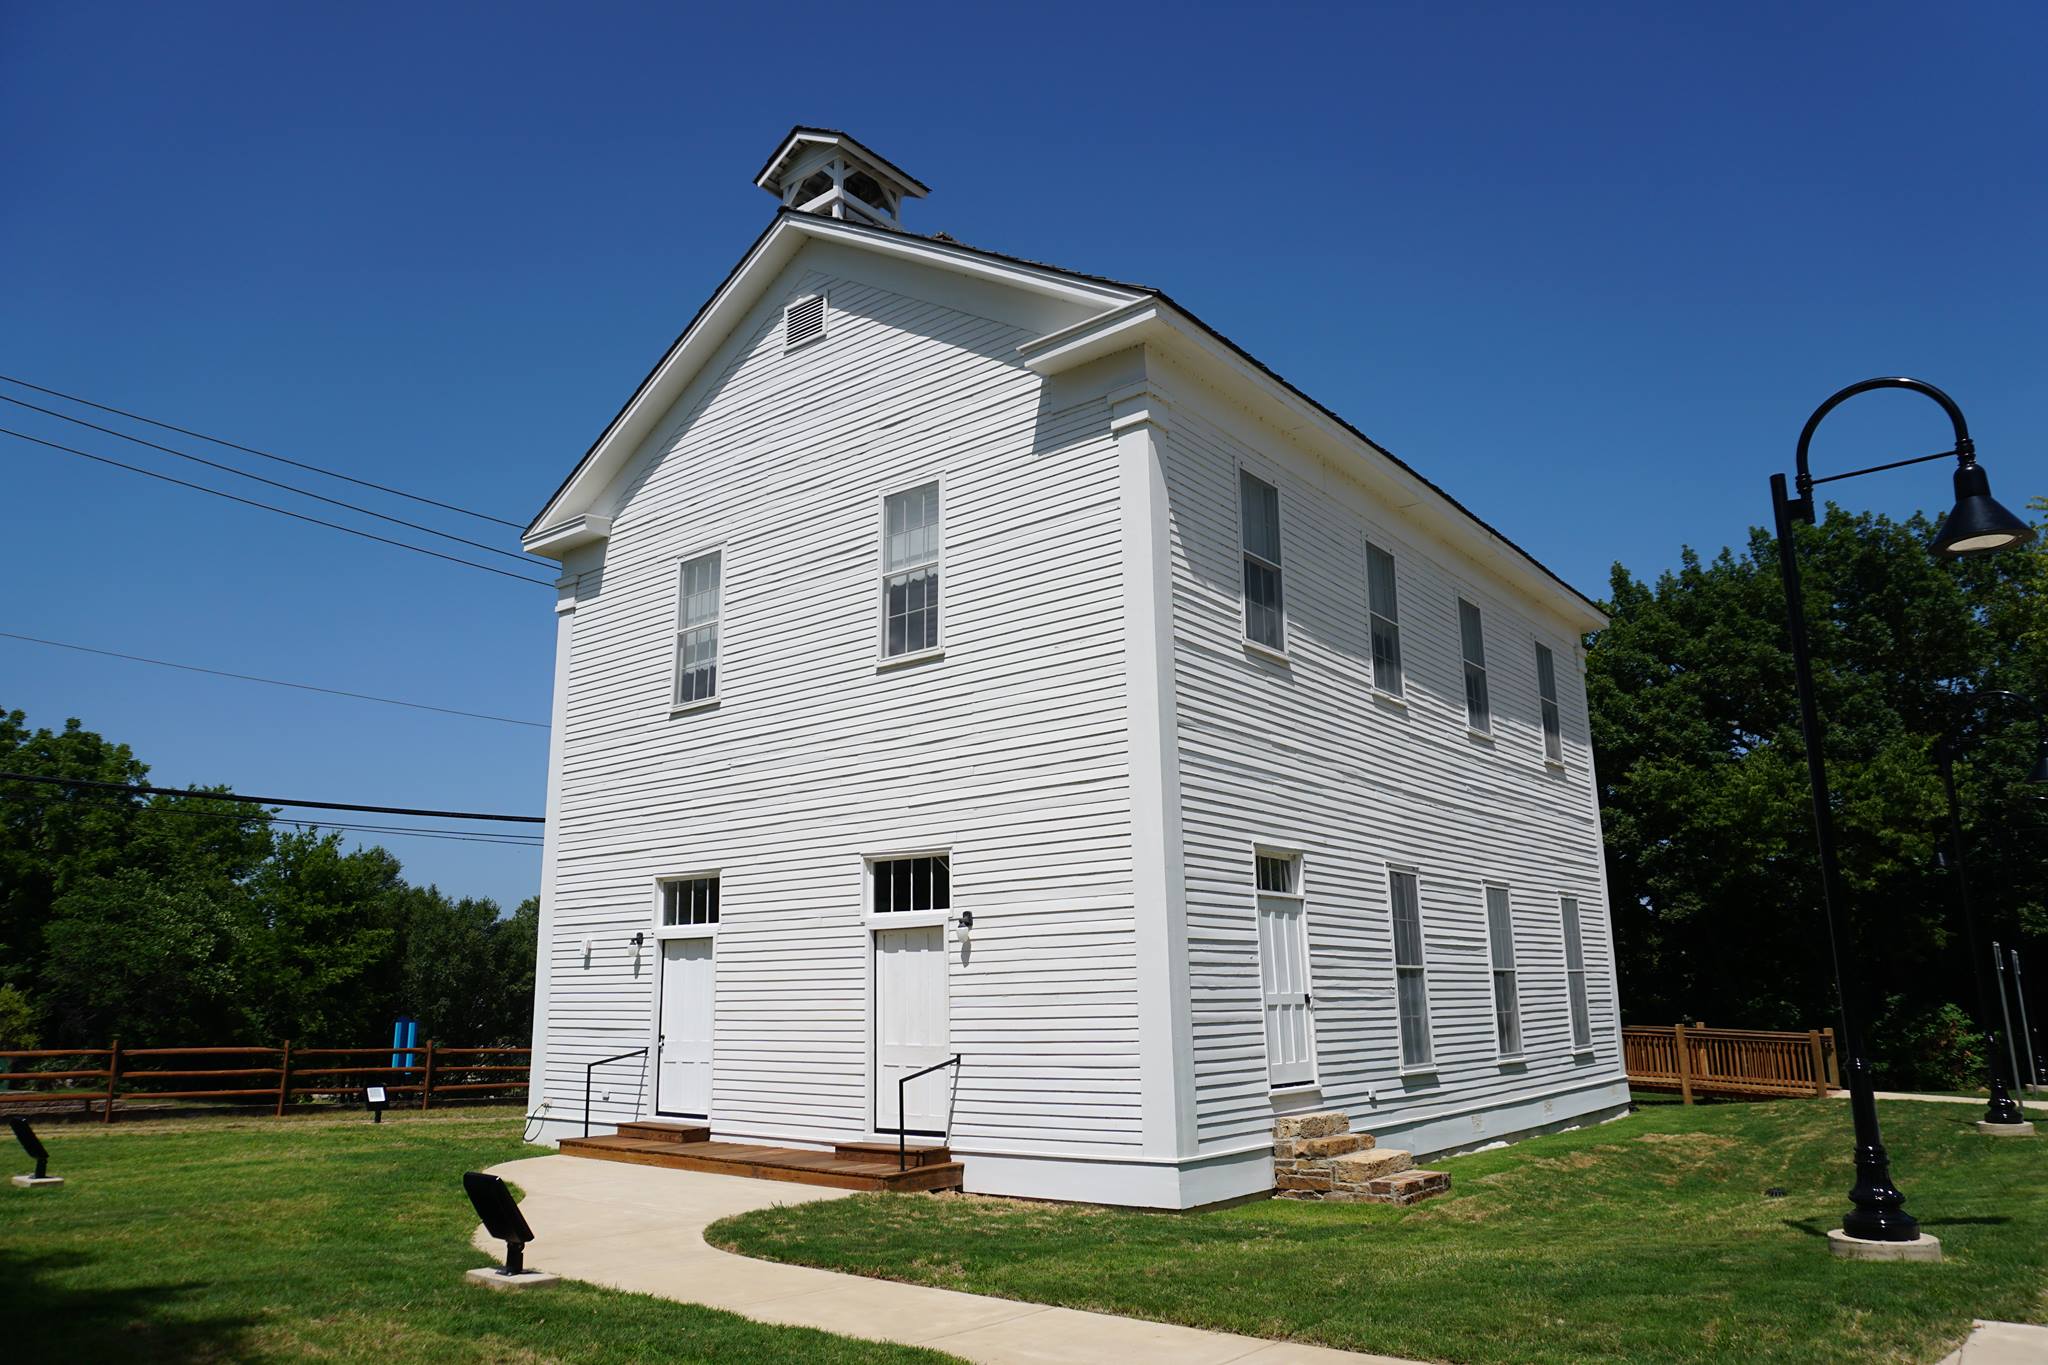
(791, 230)
(1158, 322)
(912, 186)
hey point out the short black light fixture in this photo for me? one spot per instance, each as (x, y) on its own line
(33, 1145)
(2002, 1115)
(1976, 525)
(499, 1212)
(376, 1099)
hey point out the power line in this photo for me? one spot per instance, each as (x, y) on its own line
(251, 450)
(141, 789)
(465, 836)
(273, 483)
(274, 682)
(267, 507)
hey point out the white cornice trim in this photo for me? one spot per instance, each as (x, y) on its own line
(1157, 322)
(739, 293)
(557, 540)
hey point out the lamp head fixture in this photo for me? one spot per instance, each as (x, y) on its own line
(1979, 523)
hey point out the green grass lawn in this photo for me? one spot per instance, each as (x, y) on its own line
(1646, 1240)
(266, 1239)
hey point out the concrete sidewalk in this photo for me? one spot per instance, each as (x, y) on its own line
(641, 1229)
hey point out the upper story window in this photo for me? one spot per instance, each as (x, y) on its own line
(1575, 976)
(1546, 689)
(1411, 985)
(689, 902)
(904, 885)
(1276, 874)
(1264, 615)
(1507, 1006)
(1478, 709)
(1386, 620)
(697, 600)
(910, 571)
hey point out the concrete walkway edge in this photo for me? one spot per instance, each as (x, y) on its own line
(641, 1229)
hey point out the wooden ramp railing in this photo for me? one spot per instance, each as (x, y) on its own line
(272, 1076)
(1737, 1063)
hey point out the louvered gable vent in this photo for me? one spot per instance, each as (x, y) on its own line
(804, 321)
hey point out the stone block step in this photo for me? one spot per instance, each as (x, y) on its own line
(1314, 1149)
(1324, 1124)
(1407, 1187)
(1358, 1167)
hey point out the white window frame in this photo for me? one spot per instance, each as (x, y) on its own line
(1472, 724)
(824, 320)
(1244, 605)
(675, 685)
(1373, 617)
(661, 886)
(1494, 971)
(1299, 895)
(1550, 715)
(1578, 1001)
(1427, 1066)
(883, 658)
(906, 919)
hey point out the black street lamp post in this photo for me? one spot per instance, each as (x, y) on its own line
(2002, 1109)
(1977, 525)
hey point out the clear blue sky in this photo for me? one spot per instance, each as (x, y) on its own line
(1587, 268)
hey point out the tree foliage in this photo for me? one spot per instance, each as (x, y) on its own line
(1712, 872)
(180, 920)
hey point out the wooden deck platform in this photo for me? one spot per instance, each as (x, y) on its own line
(849, 1166)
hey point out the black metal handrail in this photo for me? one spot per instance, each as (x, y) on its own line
(636, 1052)
(903, 1123)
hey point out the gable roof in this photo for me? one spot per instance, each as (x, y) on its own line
(1132, 313)
(802, 135)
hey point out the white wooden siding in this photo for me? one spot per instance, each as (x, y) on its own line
(1300, 754)
(1010, 751)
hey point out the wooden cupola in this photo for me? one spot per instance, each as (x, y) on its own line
(823, 171)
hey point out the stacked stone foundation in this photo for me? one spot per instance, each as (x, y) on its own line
(1317, 1156)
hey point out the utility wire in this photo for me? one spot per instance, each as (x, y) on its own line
(274, 483)
(267, 507)
(274, 682)
(466, 836)
(251, 450)
(141, 789)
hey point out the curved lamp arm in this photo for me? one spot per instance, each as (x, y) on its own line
(1965, 449)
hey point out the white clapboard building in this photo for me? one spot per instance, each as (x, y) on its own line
(959, 656)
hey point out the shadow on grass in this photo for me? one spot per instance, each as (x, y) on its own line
(48, 1320)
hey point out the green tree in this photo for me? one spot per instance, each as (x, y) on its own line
(1709, 838)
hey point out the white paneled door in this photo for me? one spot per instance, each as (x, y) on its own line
(912, 1029)
(1283, 980)
(683, 1080)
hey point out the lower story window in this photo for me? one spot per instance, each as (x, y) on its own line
(903, 885)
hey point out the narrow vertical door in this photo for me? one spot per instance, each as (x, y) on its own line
(912, 1029)
(683, 1084)
(1283, 981)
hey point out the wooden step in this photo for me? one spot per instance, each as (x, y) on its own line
(665, 1130)
(886, 1151)
(796, 1165)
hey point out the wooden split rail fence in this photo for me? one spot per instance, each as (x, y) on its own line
(274, 1076)
(1733, 1063)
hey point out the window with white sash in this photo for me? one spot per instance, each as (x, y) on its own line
(697, 601)
(1478, 708)
(1575, 976)
(1507, 1006)
(689, 902)
(1546, 692)
(1386, 620)
(910, 571)
(1265, 621)
(1411, 983)
(903, 886)
(1283, 971)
